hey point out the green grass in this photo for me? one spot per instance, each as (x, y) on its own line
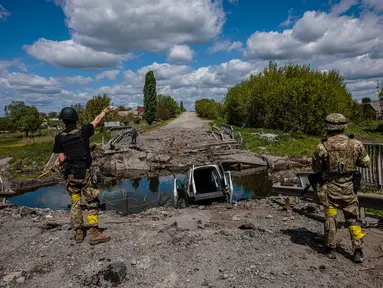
(295, 144)
(34, 152)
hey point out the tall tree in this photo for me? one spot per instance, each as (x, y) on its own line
(366, 100)
(182, 107)
(150, 97)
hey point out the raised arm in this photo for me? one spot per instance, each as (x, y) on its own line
(100, 116)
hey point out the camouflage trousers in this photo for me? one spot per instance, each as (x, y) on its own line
(350, 210)
(91, 193)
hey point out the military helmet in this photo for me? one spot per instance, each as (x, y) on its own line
(335, 122)
(68, 113)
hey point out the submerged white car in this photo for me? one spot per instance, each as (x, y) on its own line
(208, 182)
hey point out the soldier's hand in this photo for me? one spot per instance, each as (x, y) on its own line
(108, 109)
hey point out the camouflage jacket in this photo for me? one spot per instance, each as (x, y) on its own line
(339, 186)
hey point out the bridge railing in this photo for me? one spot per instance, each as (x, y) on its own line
(373, 175)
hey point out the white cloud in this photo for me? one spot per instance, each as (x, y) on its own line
(374, 4)
(233, 1)
(69, 54)
(77, 80)
(290, 19)
(123, 26)
(361, 67)
(237, 45)
(31, 83)
(343, 6)
(319, 34)
(181, 53)
(12, 63)
(182, 82)
(219, 46)
(4, 13)
(110, 74)
(225, 45)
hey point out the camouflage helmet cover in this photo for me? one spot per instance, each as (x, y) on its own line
(335, 122)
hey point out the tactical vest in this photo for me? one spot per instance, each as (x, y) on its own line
(340, 157)
(73, 146)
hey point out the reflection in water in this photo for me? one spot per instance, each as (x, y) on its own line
(133, 196)
(252, 186)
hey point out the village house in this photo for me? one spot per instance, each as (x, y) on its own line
(373, 110)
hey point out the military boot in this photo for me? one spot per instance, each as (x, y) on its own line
(358, 256)
(96, 236)
(80, 235)
(331, 253)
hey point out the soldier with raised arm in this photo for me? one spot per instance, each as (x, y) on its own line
(72, 145)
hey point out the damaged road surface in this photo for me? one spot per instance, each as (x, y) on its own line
(248, 244)
(176, 147)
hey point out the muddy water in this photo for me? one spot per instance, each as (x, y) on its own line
(133, 196)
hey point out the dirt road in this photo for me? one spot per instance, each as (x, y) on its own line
(192, 247)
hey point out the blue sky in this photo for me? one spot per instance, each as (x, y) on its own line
(60, 52)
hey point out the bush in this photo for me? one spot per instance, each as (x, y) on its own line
(292, 98)
(207, 108)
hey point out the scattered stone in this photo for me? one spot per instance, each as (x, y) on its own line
(155, 218)
(236, 218)
(158, 243)
(132, 260)
(285, 219)
(253, 267)
(20, 280)
(322, 268)
(247, 226)
(269, 216)
(224, 276)
(201, 207)
(292, 218)
(199, 221)
(115, 273)
(205, 283)
(201, 226)
(174, 224)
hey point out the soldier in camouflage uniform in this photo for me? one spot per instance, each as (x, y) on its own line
(72, 146)
(336, 159)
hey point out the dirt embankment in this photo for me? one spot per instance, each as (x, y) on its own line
(249, 244)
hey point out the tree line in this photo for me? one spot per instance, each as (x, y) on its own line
(291, 98)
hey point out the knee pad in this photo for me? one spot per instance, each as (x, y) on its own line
(75, 197)
(356, 231)
(331, 211)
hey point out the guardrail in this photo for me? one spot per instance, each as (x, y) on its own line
(228, 130)
(373, 175)
(218, 131)
(366, 200)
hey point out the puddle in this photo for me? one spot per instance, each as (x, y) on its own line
(134, 196)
